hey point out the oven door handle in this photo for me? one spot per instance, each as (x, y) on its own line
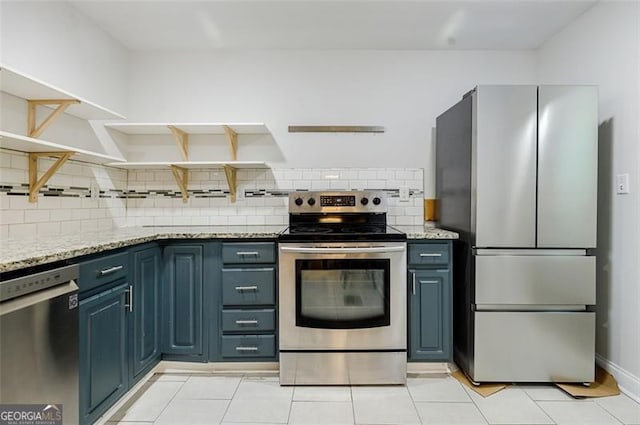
(339, 250)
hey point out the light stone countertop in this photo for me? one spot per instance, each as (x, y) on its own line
(18, 254)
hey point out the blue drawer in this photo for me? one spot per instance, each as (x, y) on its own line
(429, 254)
(241, 346)
(248, 253)
(248, 320)
(103, 270)
(248, 286)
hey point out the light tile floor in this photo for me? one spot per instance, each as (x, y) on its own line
(185, 399)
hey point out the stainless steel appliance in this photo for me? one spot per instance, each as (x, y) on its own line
(342, 292)
(39, 340)
(516, 177)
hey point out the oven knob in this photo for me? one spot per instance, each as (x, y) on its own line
(364, 201)
(311, 201)
(298, 201)
(376, 201)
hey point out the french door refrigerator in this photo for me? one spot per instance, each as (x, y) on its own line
(516, 177)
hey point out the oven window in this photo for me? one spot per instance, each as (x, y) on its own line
(342, 294)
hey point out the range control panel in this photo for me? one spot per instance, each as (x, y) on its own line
(340, 202)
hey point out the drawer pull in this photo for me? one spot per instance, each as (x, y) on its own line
(246, 322)
(109, 270)
(430, 254)
(429, 281)
(246, 348)
(244, 253)
(246, 288)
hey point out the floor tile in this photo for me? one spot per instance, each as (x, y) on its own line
(149, 404)
(260, 400)
(449, 414)
(383, 405)
(321, 412)
(577, 413)
(193, 412)
(322, 393)
(622, 407)
(176, 377)
(209, 387)
(127, 423)
(510, 406)
(545, 393)
(437, 388)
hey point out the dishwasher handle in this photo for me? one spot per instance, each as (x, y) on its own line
(343, 250)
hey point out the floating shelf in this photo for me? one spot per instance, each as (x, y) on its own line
(27, 144)
(29, 88)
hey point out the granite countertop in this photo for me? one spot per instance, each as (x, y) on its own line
(18, 254)
(22, 253)
(427, 231)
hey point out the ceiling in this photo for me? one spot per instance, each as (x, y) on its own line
(315, 24)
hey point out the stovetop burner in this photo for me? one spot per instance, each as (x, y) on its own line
(343, 216)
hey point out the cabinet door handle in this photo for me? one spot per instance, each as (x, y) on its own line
(246, 288)
(246, 322)
(129, 292)
(413, 283)
(109, 270)
(431, 254)
(243, 253)
(246, 348)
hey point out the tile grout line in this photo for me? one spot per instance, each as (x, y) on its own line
(474, 403)
(353, 405)
(172, 398)
(232, 396)
(415, 408)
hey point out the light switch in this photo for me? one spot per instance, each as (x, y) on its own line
(622, 184)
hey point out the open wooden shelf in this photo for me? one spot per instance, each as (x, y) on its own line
(188, 164)
(27, 144)
(30, 88)
(190, 128)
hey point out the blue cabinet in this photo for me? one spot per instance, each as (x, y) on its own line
(182, 296)
(430, 302)
(103, 350)
(144, 328)
(247, 309)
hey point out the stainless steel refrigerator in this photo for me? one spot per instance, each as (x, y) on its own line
(516, 176)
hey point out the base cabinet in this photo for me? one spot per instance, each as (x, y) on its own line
(145, 321)
(430, 302)
(103, 351)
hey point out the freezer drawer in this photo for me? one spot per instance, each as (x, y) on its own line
(530, 279)
(534, 347)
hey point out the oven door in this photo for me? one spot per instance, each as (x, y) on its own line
(342, 296)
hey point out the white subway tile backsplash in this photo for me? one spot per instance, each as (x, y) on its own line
(48, 229)
(36, 216)
(23, 231)
(12, 217)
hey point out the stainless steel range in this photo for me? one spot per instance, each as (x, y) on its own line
(342, 287)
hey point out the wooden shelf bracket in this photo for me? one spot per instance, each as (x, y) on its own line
(232, 136)
(182, 178)
(35, 131)
(231, 173)
(36, 184)
(182, 139)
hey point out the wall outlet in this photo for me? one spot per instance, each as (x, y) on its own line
(94, 191)
(404, 194)
(622, 184)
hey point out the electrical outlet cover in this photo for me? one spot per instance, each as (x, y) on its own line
(404, 194)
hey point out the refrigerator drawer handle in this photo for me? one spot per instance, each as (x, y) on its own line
(430, 254)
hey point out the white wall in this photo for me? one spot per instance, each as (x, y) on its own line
(51, 41)
(602, 47)
(403, 91)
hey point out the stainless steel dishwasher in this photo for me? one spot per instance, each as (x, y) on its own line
(39, 340)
